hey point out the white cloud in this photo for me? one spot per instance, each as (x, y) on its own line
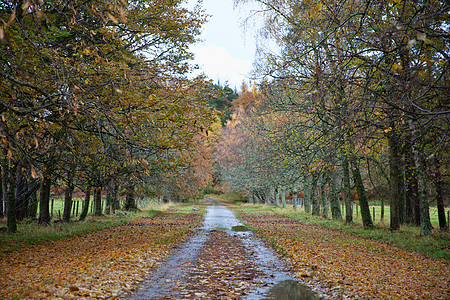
(218, 64)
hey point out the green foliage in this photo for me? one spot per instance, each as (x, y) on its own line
(212, 190)
(221, 99)
(55, 34)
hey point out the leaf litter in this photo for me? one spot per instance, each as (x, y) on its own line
(347, 266)
(224, 270)
(109, 263)
(99, 265)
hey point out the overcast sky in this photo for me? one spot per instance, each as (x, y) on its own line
(227, 50)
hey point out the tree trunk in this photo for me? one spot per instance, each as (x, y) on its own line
(402, 196)
(25, 190)
(315, 198)
(68, 199)
(439, 197)
(347, 192)
(271, 195)
(412, 192)
(307, 195)
(109, 199)
(33, 205)
(277, 197)
(283, 196)
(5, 175)
(294, 198)
(324, 197)
(44, 199)
(85, 209)
(98, 201)
(425, 223)
(130, 203)
(11, 222)
(255, 199)
(2, 208)
(21, 193)
(362, 197)
(336, 213)
(116, 197)
(395, 173)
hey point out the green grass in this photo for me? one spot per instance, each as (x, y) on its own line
(57, 206)
(387, 214)
(236, 198)
(185, 208)
(152, 212)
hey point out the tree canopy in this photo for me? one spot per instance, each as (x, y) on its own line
(360, 88)
(97, 92)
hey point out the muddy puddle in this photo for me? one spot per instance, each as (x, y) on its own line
(240, 228)
(290, 290)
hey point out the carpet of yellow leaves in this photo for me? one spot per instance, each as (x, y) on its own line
(101, 264)
(224, 270)
(355, 266)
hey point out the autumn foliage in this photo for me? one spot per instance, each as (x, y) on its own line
(96, 95)
(354, 99)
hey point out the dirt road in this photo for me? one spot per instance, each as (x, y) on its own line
(224, 260)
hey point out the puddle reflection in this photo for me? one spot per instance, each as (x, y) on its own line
(290, 290)
(240, 228)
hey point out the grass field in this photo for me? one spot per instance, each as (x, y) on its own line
(57, 206)
(387, 214)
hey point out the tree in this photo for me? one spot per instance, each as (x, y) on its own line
(221, 100)
(373, 65)
(119, 94)
(86, 201)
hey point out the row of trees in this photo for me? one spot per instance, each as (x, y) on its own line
(95, 95)
(360, 88)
